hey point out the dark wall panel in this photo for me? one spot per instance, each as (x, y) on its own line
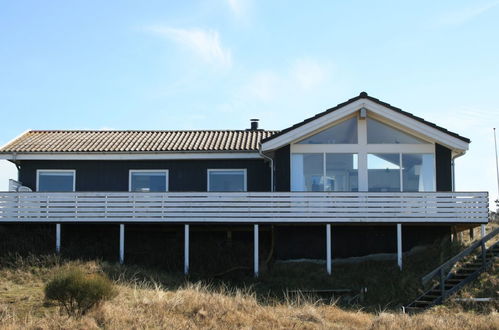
(295, 242)
(443, 159)
(184, 175)
(282, 169)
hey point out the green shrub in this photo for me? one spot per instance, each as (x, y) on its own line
(77, 292)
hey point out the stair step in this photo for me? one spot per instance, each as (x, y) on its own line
(422, 302)
(429, 299)
(413, 309)
(472, 269)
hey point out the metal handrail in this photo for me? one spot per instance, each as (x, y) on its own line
(458, 257)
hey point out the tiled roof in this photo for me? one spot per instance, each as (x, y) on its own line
(137, 141)
(364, 95)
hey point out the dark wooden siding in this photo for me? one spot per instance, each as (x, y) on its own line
(282, 169)
(184, 175)
(443, 160)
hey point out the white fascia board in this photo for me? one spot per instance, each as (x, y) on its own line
(309, 127)
(435, 134)
(432, 133)
(130, 156)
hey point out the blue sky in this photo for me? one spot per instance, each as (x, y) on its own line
(216, 64)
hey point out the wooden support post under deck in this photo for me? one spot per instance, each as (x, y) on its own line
(399, 245)
(122, 243)
(255, 250)
(58, 238)
(186, 249)
(328, 248)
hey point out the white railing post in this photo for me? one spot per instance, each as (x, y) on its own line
(256, 262)
(328, 248)
(122, 243)
(399, 245)
(186, 249)
(57, 238)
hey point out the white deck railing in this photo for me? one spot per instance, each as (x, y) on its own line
(245, 207)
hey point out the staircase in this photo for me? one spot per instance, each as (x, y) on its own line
(452, 279)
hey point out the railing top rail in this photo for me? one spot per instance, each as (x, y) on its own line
(311, 193)
(449, 263)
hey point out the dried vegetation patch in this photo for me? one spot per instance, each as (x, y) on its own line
(193, 306)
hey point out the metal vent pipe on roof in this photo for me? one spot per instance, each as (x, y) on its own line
(254, 124)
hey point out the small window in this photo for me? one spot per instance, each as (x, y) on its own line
(378, 132)
(148, 180)
(226, 180)
(342, 133)
(55, 180)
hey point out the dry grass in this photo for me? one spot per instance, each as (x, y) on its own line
(145, 304)
(154, 300)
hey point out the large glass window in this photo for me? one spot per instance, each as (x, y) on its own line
(307, 172)
(149, 180)
(377, 132)
(55, 180)
(342, 133)
(340, 172)
(418, 172)
(227, 180)
(383, 172)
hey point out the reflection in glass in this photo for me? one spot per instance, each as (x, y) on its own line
(226, 180)
(383, 172)
(418, 172)
(341, 172)
(307, 172)
(344, 132)
(55, 181)
(378, 132)
(148, 181)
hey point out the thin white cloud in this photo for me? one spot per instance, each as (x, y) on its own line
(264, 86)
(205, 43)
(239, 8)
(302, 76)
(464, 15)
(309, 74)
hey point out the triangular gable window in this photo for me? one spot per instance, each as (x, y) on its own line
(343, 133)
(378, 132)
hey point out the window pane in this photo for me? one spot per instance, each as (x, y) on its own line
(55, 181)
(341, 172)
(418, 172)
(345, 132)
(383, 172)
(377, 132)
(307, 172)
(148, 181)
(226, 180)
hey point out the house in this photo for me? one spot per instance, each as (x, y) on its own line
(360, 178)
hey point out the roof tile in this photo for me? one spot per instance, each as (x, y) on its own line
(137, 141)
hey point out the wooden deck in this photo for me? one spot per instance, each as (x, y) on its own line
(245, 207)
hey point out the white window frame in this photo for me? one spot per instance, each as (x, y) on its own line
(245, 172)
(362, 149)
(167, 177)
(38, 171)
